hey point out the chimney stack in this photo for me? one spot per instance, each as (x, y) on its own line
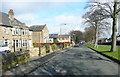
(11, 14)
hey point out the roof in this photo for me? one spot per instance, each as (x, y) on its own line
(53, 35)
(4, 20)
(63, 36)
(37, 27)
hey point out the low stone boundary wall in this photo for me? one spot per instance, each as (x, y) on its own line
(47, 49)
(13, 59)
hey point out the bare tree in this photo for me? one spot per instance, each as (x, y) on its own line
(108, 10)
(76, 35)
(111, 10)
(89, 34)
(94, 18)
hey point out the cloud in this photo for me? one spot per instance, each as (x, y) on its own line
(44, 0)
(27, 18)
(72, 23)
(25, 7)
(45, 13)
(69, 19)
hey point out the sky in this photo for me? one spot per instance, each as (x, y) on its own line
(53, 13)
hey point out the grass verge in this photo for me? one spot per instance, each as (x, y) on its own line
(106, 50)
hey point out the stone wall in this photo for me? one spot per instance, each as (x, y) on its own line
(47, 49)
(43, 50)
(13, 59)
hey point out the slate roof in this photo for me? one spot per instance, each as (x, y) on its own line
(5, 21)
(53, 35)
(37, 27)
(60, 36)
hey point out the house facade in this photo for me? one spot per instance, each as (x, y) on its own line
(14, 33)
(64, 38)
(40, 33)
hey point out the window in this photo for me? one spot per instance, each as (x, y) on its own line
(23, 32)
(13, 31)
(16, 43)
(26, 43)
(17, 31)
(6, 42)
(23, 42)
(13, 42)
(6, 30)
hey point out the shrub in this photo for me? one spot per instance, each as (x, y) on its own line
(35, 44)
(47, 46)
(56, 41)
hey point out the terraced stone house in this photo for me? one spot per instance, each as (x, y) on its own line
(14, 33)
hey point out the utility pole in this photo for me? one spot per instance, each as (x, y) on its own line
(60, 29)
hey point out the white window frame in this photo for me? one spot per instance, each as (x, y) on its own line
(13, 31)
(6, 30)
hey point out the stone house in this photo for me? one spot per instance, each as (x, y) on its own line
(64, 38)
(14, 33)
(40, 33)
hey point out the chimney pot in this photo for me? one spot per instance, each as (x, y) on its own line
(11, 9)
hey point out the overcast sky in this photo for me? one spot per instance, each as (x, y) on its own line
(53, 13)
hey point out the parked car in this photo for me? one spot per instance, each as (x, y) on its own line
(76, 45)
(4, 49)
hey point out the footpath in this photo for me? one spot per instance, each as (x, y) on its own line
(30, 66)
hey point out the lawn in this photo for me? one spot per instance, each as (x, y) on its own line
(106, 50)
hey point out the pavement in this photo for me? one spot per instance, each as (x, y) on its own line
(30, 66)
(73, 61)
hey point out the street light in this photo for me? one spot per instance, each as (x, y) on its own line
(61, 29)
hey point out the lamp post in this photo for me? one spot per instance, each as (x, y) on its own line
(61, 28)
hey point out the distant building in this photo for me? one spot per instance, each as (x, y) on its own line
(40, 33)
(64, 38)
(118, 38)
(103, 40)
(53, 37)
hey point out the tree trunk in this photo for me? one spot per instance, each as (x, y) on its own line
(114, 28)
(96, 35)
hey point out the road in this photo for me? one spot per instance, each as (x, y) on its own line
(78, 61)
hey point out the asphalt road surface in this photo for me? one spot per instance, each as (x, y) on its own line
(78, 61)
